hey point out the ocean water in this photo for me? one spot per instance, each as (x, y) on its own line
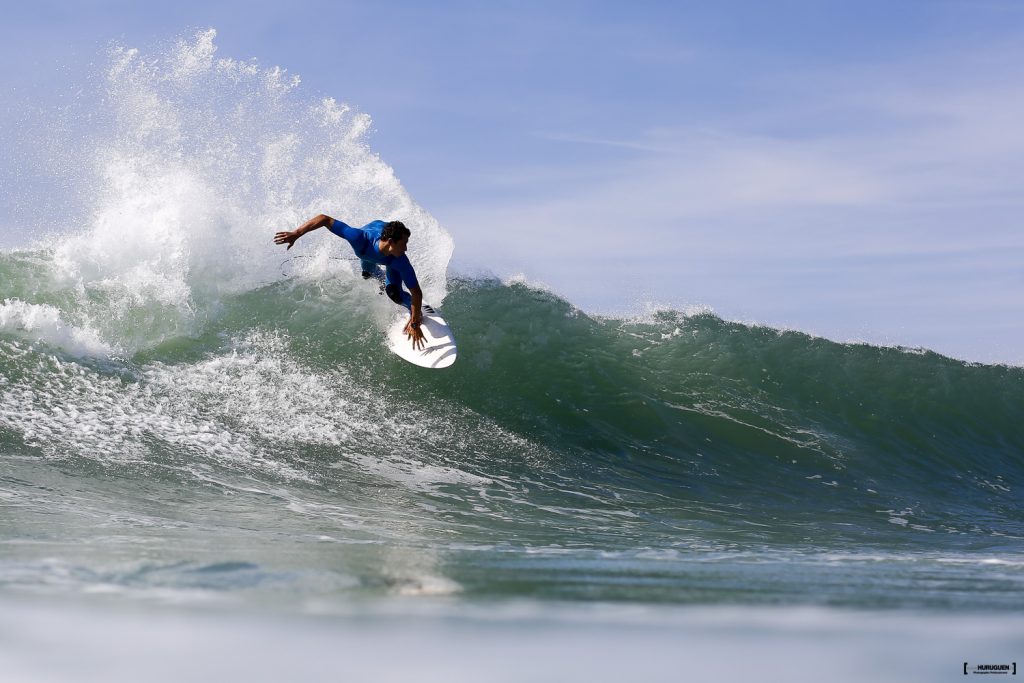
(212, 469)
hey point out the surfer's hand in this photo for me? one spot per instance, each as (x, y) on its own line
(413, 332)
(286, 238)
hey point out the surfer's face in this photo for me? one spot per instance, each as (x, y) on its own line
(397, 247)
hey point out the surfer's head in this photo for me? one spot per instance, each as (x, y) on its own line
(395, 238)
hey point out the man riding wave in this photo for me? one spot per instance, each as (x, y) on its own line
(377, 244)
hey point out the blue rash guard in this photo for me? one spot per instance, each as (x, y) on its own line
(365, 242)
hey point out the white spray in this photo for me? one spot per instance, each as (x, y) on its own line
(198, 161)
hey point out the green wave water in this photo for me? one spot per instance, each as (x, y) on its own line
(673, 421)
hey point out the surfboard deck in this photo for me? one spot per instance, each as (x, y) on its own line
(439, 350)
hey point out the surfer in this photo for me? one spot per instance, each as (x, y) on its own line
(377, 244)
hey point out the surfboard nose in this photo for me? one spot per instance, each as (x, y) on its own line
(439, 348)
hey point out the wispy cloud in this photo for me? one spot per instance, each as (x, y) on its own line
(873, 139)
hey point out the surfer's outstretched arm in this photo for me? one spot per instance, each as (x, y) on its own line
(312, 224)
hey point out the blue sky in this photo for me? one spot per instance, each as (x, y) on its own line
(850, 169)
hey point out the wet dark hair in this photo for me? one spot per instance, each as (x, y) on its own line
(394, 231)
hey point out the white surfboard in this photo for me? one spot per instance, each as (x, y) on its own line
(438, 350)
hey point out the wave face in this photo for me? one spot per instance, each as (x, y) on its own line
(167, 383)
(795, 435)
(652, 426)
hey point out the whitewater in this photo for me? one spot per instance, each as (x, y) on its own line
(206, 448)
